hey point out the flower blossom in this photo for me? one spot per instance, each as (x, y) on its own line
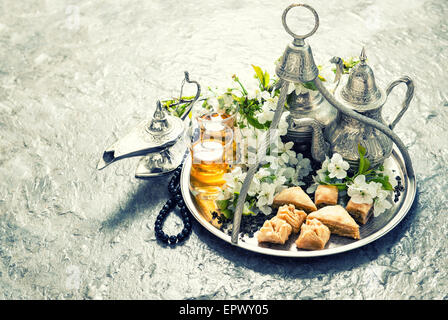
(337, 167)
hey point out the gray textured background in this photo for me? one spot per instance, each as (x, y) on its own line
(76, 75)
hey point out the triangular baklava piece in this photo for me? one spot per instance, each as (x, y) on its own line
(275, 230)
(314, 235)
(361, 212)
(338, 220)
(292, 216)
(295, 196)
(326, 196)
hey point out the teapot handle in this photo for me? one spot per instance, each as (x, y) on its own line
(198, 93)
(407, 99)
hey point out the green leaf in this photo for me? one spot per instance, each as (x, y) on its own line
(361, 165)
(340, 186)
(361, 150)
(266, 79)
(384, 181)
(310, 85)
(227, 213)
(366, 165)
(269, 178)
(247, 213)
(259, 74)
(254, 122)
(222, 204)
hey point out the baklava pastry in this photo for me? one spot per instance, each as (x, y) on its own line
(295, 196)
(338, 220)
(326, 196)
(314, 235)
(292, 216)
(361, 212)
(275, 230)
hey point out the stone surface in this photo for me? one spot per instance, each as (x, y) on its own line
(76, 75)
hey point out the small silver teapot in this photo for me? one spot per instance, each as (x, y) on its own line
(361, 94)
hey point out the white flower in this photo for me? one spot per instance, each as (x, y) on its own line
(266, 96)
(287, 172)
(300, 89)
(337, 167)
(227, 100)
(283, 152)
(286, 148)
(265, 116)
(312, 188)
(224, 194)
(388, 171)
(283, 124)
(254, 187)
(267, 210)
(279, 182)
(234, 179)
(267, 109)
(327, 73)
(266, 195)
(213, 101)
(274, 162)
(303, 167)
(362, 192)
(322, 172)
(254, 95)
(262, 173)
(246, 209)
(381, 204)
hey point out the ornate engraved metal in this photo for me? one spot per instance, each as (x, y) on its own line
(361, 94)
(360, 90)
(158, 140)
(143, 139)
(310, 105)
(319, 147)
(297, 63)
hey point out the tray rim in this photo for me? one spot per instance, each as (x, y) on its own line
(409, 193)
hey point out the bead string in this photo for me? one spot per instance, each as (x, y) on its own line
(176, 200)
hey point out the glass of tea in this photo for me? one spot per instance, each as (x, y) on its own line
(211, 150)
(216, 121)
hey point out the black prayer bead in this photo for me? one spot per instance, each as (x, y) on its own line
(175, 200)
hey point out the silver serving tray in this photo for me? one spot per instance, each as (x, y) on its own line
(374, 229)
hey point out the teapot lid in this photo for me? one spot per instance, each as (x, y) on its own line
(360, 91)
(160, 123)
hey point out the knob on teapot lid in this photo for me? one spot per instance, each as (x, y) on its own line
(159, 122)
(361, 91)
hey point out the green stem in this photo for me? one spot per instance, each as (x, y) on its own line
(241, 85)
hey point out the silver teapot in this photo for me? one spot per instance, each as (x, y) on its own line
(361, 94)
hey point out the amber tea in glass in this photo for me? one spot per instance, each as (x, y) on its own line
(211, 147)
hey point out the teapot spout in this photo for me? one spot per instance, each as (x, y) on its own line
(339, 71)
(319, 147)
(139, 142)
